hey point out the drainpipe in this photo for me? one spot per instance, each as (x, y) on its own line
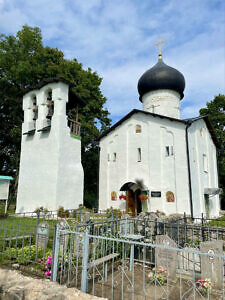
(97, 144)
(99, 149)
(189, 168)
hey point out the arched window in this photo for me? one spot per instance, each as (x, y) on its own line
(138, 128)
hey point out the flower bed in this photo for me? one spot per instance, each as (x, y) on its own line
(158, 276)
(204, 286)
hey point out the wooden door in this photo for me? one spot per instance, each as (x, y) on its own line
(130, 203)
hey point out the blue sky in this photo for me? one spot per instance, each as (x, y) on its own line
(115, 38)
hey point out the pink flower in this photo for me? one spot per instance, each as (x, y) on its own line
(48, 273)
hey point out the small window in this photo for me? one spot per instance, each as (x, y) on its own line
(108, 157)
(205, 163)
(139, 154)
(114, 156)
(201, 131)
(167, 151)
(171, 150)
(138, 128)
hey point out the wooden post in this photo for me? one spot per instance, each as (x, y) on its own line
(77, 114)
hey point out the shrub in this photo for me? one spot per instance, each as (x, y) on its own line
(219, 222)
(113, 211)
(3, 215)
(42, 210)
(26, 254)
(63, 213)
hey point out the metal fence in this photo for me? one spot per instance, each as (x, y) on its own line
(122, 258)
(22, 232)
(182, 233)
(120, 268)
(23, 244)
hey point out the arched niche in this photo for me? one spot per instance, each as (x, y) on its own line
(138, 128)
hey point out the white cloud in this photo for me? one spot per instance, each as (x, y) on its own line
(115, 38)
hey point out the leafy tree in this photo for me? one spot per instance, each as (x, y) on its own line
(24, 61)
(216, 113)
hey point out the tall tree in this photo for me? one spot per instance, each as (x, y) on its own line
(24, 61)
(216, 112)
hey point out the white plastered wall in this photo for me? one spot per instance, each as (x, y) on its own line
(50, 172)
(163, 102)
(201, 143)
(154, 168)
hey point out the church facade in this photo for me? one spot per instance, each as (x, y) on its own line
(151, 160)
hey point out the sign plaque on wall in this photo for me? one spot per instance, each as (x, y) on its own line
(156, 194)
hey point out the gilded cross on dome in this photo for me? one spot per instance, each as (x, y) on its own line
(159, 45)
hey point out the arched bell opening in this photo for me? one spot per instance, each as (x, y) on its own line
(50, 105)
(35, 107)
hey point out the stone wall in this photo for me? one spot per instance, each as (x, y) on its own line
(150, 224)
(15, 286)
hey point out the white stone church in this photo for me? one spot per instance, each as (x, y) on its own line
(152, 160)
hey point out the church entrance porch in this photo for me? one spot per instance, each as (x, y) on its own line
(134, 201)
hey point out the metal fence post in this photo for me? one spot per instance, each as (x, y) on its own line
(38, 216)
(112, 223)
(156, 225)
(203, 232)
(84, 276)
(185, 228)
(55, 253)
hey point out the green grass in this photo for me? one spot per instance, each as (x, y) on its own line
(18, 226)
(11, 209)
(219, 222)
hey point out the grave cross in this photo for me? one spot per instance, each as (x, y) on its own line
(159, 45)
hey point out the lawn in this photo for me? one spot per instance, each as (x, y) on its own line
(10, 210)
(19, 226)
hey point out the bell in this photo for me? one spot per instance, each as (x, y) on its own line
(35, 110)
(49, 98)
(50, 106)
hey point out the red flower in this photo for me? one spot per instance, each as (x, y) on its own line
(143, 197)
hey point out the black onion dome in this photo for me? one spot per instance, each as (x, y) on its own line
(160, 77)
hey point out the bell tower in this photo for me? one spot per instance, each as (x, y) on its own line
(51, 173)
